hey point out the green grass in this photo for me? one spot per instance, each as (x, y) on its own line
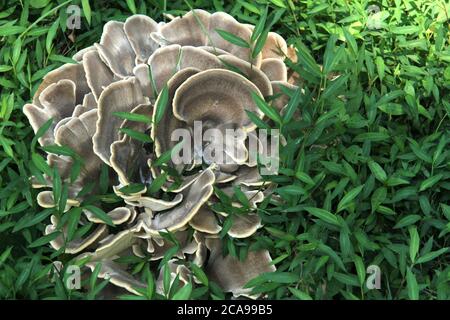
(365, 175)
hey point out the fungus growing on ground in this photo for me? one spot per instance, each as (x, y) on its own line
(186, 69)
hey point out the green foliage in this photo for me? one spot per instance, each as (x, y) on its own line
(364, 177)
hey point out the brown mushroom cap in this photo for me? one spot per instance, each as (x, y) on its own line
(59, 98)
(113, 245)
(162, 132)
(163, 65)
(248, 176)
(117, 275)
(174, 270)
(138, 29)
(80, 54)
(199, 28)
(98, 74)
(127, 156)
(193, 57)
(76, 245)
(223, 21)
(187, 30)
(275, 47)
(118, 215)
(156, 205)
(205, 221)
(77, 134)
(281, 99)
(244, 225)
(220, 96)
(232, 274)
(57, 101)
(142, 74)
(45, 200)
(73, 72)
(231, 144)
(167, 61)
(121, 96)
(193, 198)
(157, 247)
(89, 103)
(115, 49)
(252, 73)
(275, 69)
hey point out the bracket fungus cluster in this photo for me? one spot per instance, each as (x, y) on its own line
(190, 71)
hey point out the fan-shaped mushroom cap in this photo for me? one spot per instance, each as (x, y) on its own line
(199, 28)
(138, 250)
(56, 101)
(156, 205)
(79, 55)
(77, 245)
(115, 49)
(37, 183)
(205, 221)
(193, 198)
(62, 163)
(249, 71)
(185, 183)
(231, 273)
(117, 275)
(275, 47)
(138, 29)
(129, 198)
(244, 225)
(260, 148)
(253, 196)
(158, 246)
(162, 133)
(215, 51)
(292, 54)
(201, 252)
(174, 270)
(38, 117)
(89, 103)
(248, 176)
(142, 74)
(220, 96)
(193, 57)
(282, 99)
(166, 61)
(98, 75)
(59, 99)
(229, 167)
(164, 64)
(45, 200)
(118, 216)
(231, 143)
(121, 96)
(60, 124)
(223, 21)
(77, 135)
(275, 69)
(113, 245)
(126, 154)
(191, 29)
(223, 177)
(73, 72)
